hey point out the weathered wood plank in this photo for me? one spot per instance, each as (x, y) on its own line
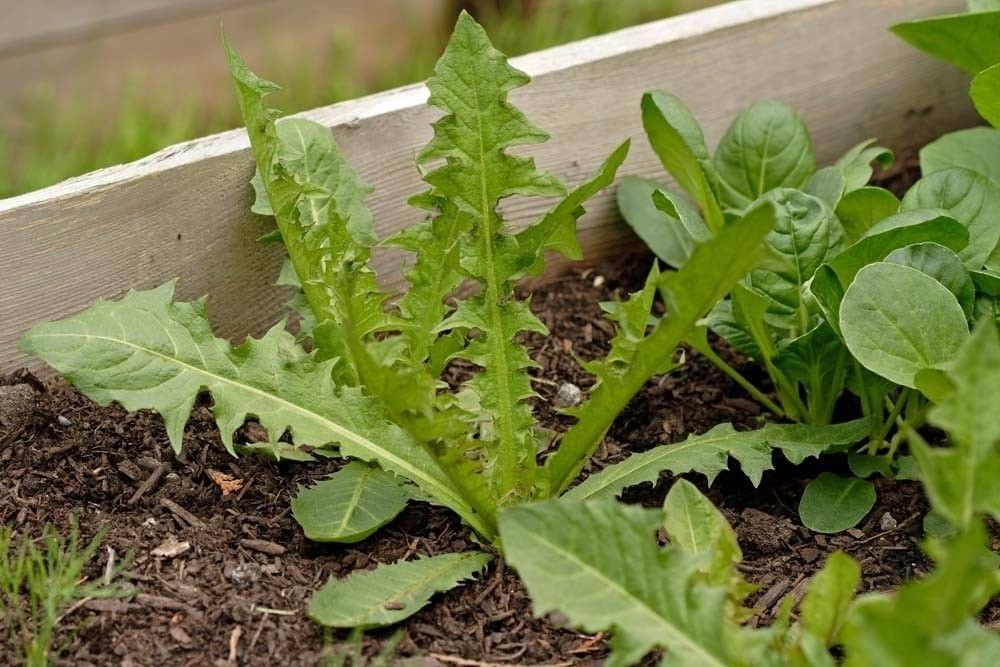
(183, 212)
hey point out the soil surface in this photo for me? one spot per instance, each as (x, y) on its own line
(237, 575)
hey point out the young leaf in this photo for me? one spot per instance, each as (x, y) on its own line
(831, 503)
(828, 597)
(391, 592)
(965, 40)
(897, 321)
(985, 94)
(678, 141)
(649, 597)
(941, 264)
(709, 454)
(711, 271)
(671, 227)
(968, 197)
(349, 505)
(818, 360)
(856, 164)
(693, 523)
(862, 209)
(976, 149)
(767, 147)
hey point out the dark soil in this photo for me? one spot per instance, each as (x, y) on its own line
(237, 595)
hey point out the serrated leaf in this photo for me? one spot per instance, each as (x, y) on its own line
(677, 139)
(965, 40)
(350, 504)
(897, 321)
(976, 149)
(968, 197)
(828, 597)
(647, 596)
(831, 503)
(709, 453)
(767, 147)
(670, 226)
(391, 592)
(985, 94)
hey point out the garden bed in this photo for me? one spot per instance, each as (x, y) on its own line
(242, 586)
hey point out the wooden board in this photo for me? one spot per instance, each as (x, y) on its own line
(183, 212)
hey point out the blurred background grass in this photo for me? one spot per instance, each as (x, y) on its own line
(46, 140)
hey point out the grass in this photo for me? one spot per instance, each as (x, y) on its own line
(53, 142)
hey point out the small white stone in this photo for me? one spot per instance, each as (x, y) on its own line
(887, 522)
(63, 421)
(598, 281)
(568, 395)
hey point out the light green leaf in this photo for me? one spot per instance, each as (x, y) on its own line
(766, 147)
(391, 592)
(941, 264)
(985, 94)
(968, 197)
(670, 227)
(819, 361)
(976, 149)
(965, 40)
(709, 453)
(350, 504)
(711, 271)
(831, 503)
(827, 184)
(678, 141)
(828, 597)
(897, 321)
(693, 523)
(856, 164)
(647, 596)
(863, 208)
(983, 5)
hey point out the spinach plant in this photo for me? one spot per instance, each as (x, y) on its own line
(859, 293)
(687, 598)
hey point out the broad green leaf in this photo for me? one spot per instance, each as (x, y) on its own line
(968, 197)
(146, 351)
(678, 141)
(646, 596)
(350, 504)
(819, 361)
(863, 208)
(709, 454)
(987, 282)
(831, 503)
(985, 94)
(897, 321)
(828, 597)
(965, 40)
(931, 621)
(806, 234)
(693, 523)
(941, 264)
(827, 184)
(976, 149)
(767, 147)
(710, 272)
(856, 164)
(670, 227)
(391, 592)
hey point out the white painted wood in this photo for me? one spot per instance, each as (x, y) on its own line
(183, 212)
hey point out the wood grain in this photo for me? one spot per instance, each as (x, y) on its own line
(183, 212)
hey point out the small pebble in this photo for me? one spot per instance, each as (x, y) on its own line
(63, 421)
(888, 522)
(598, 281)
(568, 395)
(242, 573)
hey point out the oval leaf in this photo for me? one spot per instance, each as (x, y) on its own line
(670, 232)
(349, 505)
(985, 93)
(897, 321)
(976, 149)
(832, 503)
(941, 264)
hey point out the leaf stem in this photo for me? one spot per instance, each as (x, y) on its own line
(720, 363)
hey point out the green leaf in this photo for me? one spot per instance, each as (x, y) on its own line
(670, 227)
(965, 40)
(350, 504)
(647, 596)
(897, 321)
(146, 351)
(863, 208)
(391, 592)
(826, 184)
(693, 523)
(976, 149)
(711, 271)
(709, 454)
(856, 164)
(968, 197)
(831, 503)
(866, 465)
(983, 5)
(819, 361)
(828, 597)
(985, 94)
(941, 264)
(931, 621)
(678, 141)
(766, 147)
